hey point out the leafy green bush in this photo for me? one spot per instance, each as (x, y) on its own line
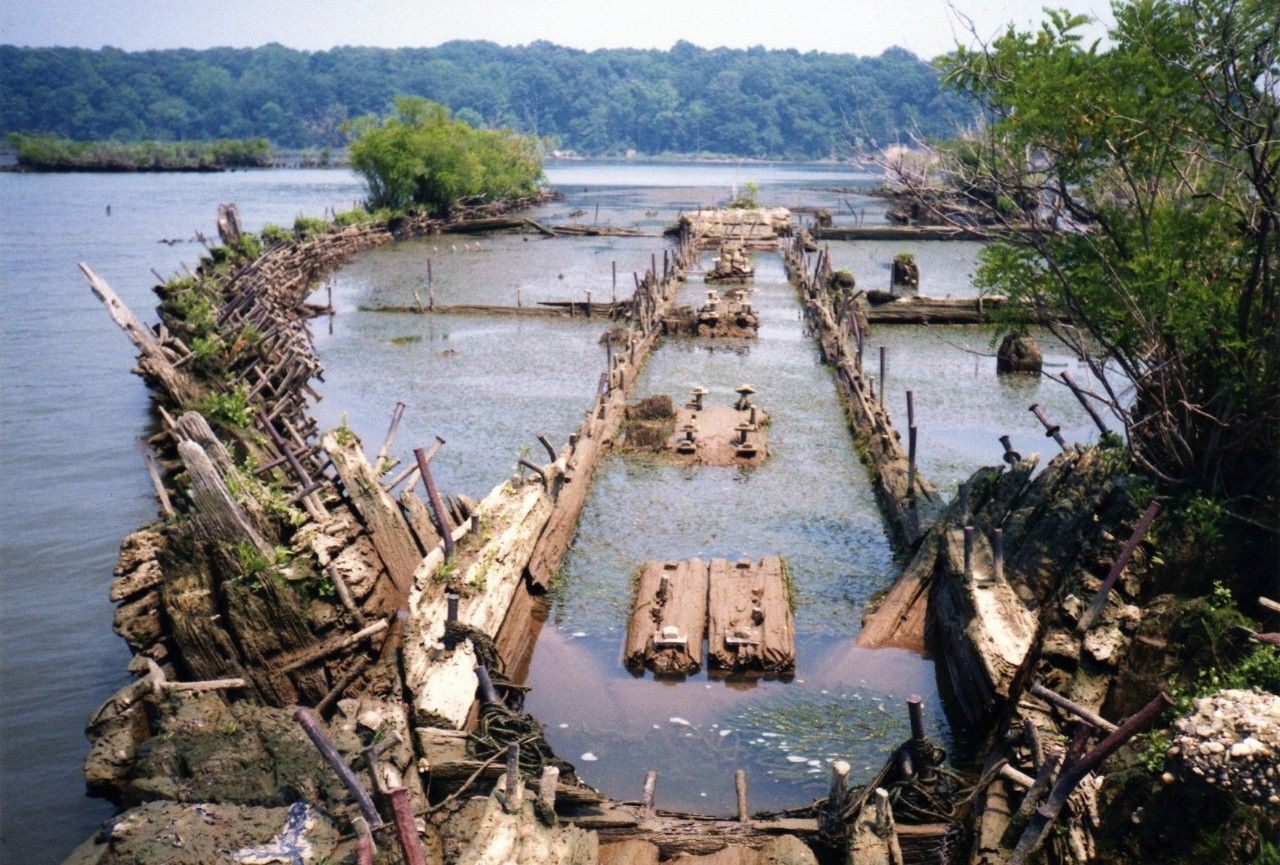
(422, 157)
(47, 153)
(308, 226)
(228, 408)
(272, 233)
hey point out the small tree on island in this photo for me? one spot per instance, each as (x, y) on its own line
(420, 157)
(1137, 189)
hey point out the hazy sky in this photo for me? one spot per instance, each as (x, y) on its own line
(927, 27)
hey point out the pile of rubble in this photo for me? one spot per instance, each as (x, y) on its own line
(1232, 740)
(732, 265)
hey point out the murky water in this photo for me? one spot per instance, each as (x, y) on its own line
(811, 503)
(72, 484)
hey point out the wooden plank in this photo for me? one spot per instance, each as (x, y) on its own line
(751, 624)
(671, 605)
(419, 518)
(391, 535)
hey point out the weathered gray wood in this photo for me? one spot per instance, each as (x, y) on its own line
(192, 426)
(214, 505)
(751, 627)
(671, 604)
(154, 363)
(391, 535)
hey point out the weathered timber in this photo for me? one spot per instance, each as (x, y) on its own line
(946, 310)
(391, 535)
(481, 309)
(215, 508)
(750, 623)
(154, 364)
(982, 630)
(488, 576)
(669, 620)
(898, 232)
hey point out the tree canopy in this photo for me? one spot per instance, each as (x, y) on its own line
(686, 100)
(422, 156)
(1139, 185)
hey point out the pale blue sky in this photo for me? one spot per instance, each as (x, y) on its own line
(866, 27)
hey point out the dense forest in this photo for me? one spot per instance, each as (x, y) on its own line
(686, 100)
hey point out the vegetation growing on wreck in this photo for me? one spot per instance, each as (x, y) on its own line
(420, 156)
(1145, 178)
(49, 153)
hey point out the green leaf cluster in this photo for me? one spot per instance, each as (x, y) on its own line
(1141, 185)
(50, 153)
(421, 157)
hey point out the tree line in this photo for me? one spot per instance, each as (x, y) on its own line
(689, 100)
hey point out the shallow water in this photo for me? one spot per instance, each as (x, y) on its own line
(72, 484)
(811, 503)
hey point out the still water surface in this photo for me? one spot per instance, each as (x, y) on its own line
(72, 484)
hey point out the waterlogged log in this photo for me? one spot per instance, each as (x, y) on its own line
(668, 623)
(391, 535)
(751, 627)
(415, 510)
(944, 310)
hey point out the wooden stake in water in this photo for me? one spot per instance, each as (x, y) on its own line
(882, 365)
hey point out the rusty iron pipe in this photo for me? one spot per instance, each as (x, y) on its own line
(315, 733)
(915, 709)
(406, 828)
(437, 507)
(1052, 430)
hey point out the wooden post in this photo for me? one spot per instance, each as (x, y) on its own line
(911, 461)
(588, 304)
(513, 801)
(882, 375)
(406, 827)
(740, 787)
(519, 303)
(911, 410)
(547, 786)
(153, 469)
(650, 791)
(315, 733)
(1126, 553)
(837, 793)
(615, 278)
